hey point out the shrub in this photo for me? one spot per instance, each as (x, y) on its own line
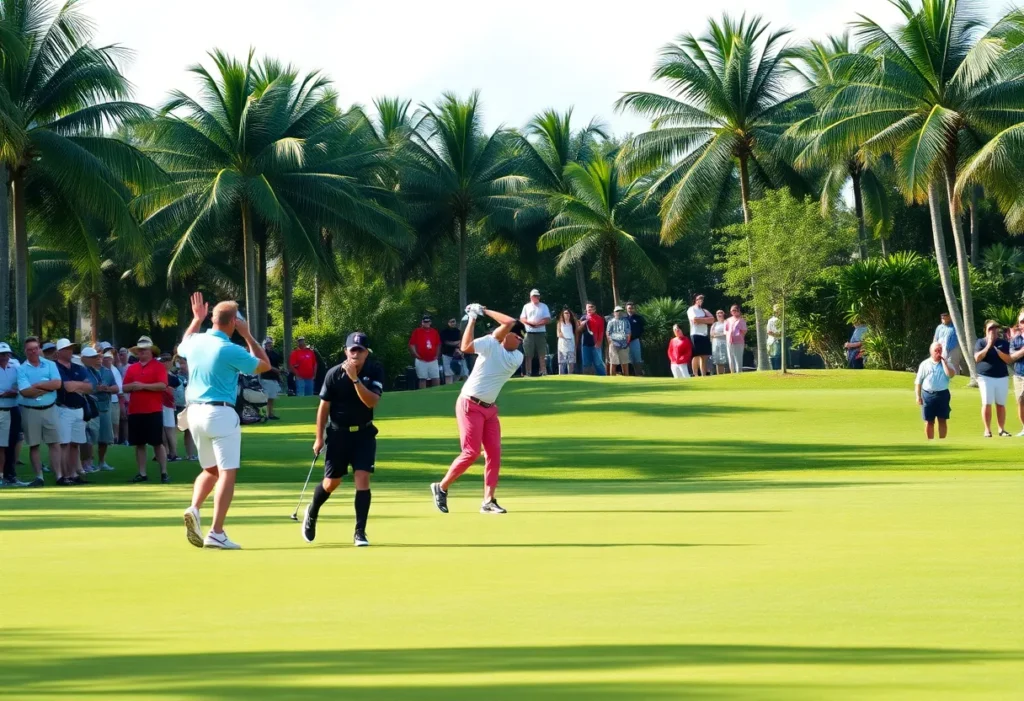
(818, 321)
(659, 314)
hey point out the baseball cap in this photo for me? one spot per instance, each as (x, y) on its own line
(64, 343)
(269, 339)
(104, 345)
(618, 309)
(48, 346)
(89, 352)
(426, 317)
(535, 292)
(358, 339)
(4, 348)
(109, 351)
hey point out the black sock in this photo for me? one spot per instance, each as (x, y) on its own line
(320, 495)
(362, 508)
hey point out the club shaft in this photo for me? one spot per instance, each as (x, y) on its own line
(302, 494)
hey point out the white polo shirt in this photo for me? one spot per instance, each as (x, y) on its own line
(696, 312)
(534, 313)
(494, 365)
(9, 382)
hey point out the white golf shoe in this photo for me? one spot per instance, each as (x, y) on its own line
(220, 541)
(193, 531)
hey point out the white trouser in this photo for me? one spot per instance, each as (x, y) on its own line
(735, 357)
(218, 435)
(680, 371)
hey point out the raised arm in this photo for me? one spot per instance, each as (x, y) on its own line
(505, 324)
(255, 349)
(199, 311)
(979, 355)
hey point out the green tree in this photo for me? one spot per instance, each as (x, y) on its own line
(929, 92)
(603, 217)
(725, 126)
(263, 154)
(58, 99)
(785, 245)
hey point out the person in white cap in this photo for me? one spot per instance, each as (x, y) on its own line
(71, 411)
(99, 429)
(38, 382)
(535, 317)
(115, 399)
(214, 363)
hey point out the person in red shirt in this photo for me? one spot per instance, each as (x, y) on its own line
(302, 364)
(425, 344)
(592, 340)
(146, 381)
(680, 353)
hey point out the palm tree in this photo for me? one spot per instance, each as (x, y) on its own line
(264, 153)
(816, 64)
(549, 145)
(57, 98)
(725, 125)
(929, 92)
(603, 217)
(454, 177)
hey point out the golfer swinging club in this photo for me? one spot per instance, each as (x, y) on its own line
(351, 390)
(498, 357)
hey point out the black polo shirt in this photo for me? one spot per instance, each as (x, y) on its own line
(449, 334)
(275, 362)
(75, 373)
(347, 409)
(636, 326)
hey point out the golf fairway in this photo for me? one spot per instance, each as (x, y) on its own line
(753, 537)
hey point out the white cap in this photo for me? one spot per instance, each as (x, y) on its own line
(4, 348)
(535, 291)
(89, 352)
(64, 343)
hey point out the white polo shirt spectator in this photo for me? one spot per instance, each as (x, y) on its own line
(535, 317)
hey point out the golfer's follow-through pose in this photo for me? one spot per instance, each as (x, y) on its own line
(345, 422)
(214, 363)
(498, 357)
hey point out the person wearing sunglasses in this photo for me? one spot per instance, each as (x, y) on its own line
(992, 354)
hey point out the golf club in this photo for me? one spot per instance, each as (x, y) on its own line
(295, 514)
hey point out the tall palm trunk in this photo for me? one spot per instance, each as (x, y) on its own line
(316, 298)
(286, 298)
(885, 246)
(964, 268)
(463, 271)
(858, 206)
(614, 277)
(762, 346)
(975, 233)
(261, 289)
(20, 257)
(948, 292)
(5, 257)
(581, 284)
(94, 318)
(249, 253)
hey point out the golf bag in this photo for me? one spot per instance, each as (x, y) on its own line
(251, 402)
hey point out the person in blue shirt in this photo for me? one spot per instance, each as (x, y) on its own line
(38, 382)
(214, 363)
(945, 333)
(854, 350)
(1017, 367)
(932, 390)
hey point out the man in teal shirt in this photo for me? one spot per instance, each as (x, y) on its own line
(214, 363)
(945, 333)
(38, 382)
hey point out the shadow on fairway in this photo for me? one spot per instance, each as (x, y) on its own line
(51, 663)
(530, 546)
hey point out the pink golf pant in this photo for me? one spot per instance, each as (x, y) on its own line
(477, 426)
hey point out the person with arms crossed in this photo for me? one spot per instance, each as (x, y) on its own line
(701, 321)
(344, 424)
(105, 391)
(452, 360)
(425, 346)
(636, 332)
(38, 382)
(8, 409)
(115, 399)
(214, 364)
(302, 366)
(70, 412)
(932, 389)
(270, 381)
(144, 383)
(618, 342)
(535, 317)
(498, 358)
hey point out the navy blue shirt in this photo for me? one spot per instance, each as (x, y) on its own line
(992, 365)
(74, 373)
(636, 326)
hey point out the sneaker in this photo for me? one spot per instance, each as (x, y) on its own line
(139, 478)
(193, 531)
(107, 468)
(359, 539)
(89, 469)
(164, 479)
(1004, 433)
(78, 479)
(440, 497)
(220, 541)
(46, 468)
(491, 507)
(309, 526)
(173, 458)
(63, 482)
(37, 482)
(14, 482)
(986, 434)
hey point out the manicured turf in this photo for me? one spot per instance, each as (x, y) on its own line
(741, 537)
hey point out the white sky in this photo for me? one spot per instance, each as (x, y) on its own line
(524, 55)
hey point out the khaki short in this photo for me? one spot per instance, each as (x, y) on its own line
(1018, 387)
(618, 356)
(40, 425)
(5, 428)
(115, 410)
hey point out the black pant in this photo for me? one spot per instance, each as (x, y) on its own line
(344, 448)
(11, 457)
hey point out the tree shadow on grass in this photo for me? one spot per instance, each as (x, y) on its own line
(46, 663)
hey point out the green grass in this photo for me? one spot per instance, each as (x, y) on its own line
(742, 537)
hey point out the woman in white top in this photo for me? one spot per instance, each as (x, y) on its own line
(566, 330)
(719, 344)
(700, 321)
(497, 358)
